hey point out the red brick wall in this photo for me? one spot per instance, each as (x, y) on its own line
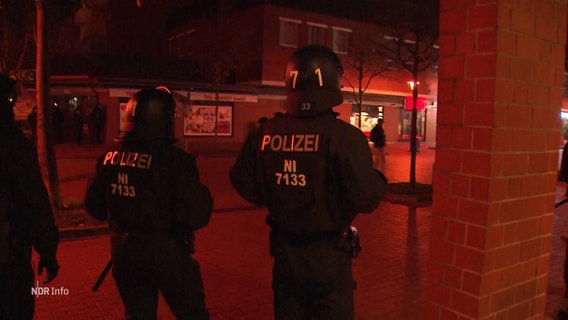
(500, 91)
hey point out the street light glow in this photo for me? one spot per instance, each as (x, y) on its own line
(411, 84)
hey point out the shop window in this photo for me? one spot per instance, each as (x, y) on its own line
(341, 40)
(368, 117)
(289, 32)
(207, 120)
(405, 124)
(316, 33)
(62, 116)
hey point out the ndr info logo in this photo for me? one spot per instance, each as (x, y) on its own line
(49, 291)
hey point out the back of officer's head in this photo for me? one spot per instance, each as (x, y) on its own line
(150, 115)
(7, 99)
(313, 81)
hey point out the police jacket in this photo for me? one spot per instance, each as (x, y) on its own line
(24, 198)
(149, 186)
(314, 174)
(564, 164)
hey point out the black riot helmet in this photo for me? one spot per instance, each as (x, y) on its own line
(313, 81)
(8, 94)
(150, 115)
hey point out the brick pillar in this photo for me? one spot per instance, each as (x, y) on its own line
(500, 91)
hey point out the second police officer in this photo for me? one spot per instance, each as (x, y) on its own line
(314, 172)
(26, 219)
(150, 192)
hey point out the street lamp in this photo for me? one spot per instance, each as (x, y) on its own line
(411, 84)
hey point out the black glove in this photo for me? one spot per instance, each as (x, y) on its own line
(51, 266)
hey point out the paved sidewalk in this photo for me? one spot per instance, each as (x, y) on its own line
(233, 251)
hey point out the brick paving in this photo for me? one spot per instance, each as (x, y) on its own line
(233, 251)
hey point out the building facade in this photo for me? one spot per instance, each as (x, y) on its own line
(267, 35)
(246, 52)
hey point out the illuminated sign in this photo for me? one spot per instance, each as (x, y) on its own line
(228, 97)
(420, 103)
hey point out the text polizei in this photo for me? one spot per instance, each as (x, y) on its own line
(128, 159)
(290, 142)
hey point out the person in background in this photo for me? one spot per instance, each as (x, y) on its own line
(26, 216)
(57, 119)
(77, 125)
(32, 121)
(97, 119)
(379, 141)
(563, 177)
(314, 173)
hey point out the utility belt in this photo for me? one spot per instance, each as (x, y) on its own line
(304, 239)
(187, 241)
(138, 231)
(346, 239)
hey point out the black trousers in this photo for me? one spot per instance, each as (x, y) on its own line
(144, 265)
(16, 282)
(312, 281)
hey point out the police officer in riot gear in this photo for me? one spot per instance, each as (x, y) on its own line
(314, 173)
(149, 191)
(26, 217)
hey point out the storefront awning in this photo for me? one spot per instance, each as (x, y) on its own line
(223, 96)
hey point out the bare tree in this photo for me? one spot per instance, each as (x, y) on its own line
(362, 65)
(16, 31)
(46, 150)
(224, 55)
(411, 41)
(23, 29)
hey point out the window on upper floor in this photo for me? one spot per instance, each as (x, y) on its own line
(289, 32)
(316, 33)
(180, 44)
(391, 64)
(341, 40)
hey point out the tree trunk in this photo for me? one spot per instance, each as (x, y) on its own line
(413, 131)
(360, 108)
(360, 104)
(360, 93)
(46, 152)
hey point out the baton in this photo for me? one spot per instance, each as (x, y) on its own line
(102, 276)
(561, 203)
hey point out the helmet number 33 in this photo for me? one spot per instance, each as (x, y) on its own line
(294, 75)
